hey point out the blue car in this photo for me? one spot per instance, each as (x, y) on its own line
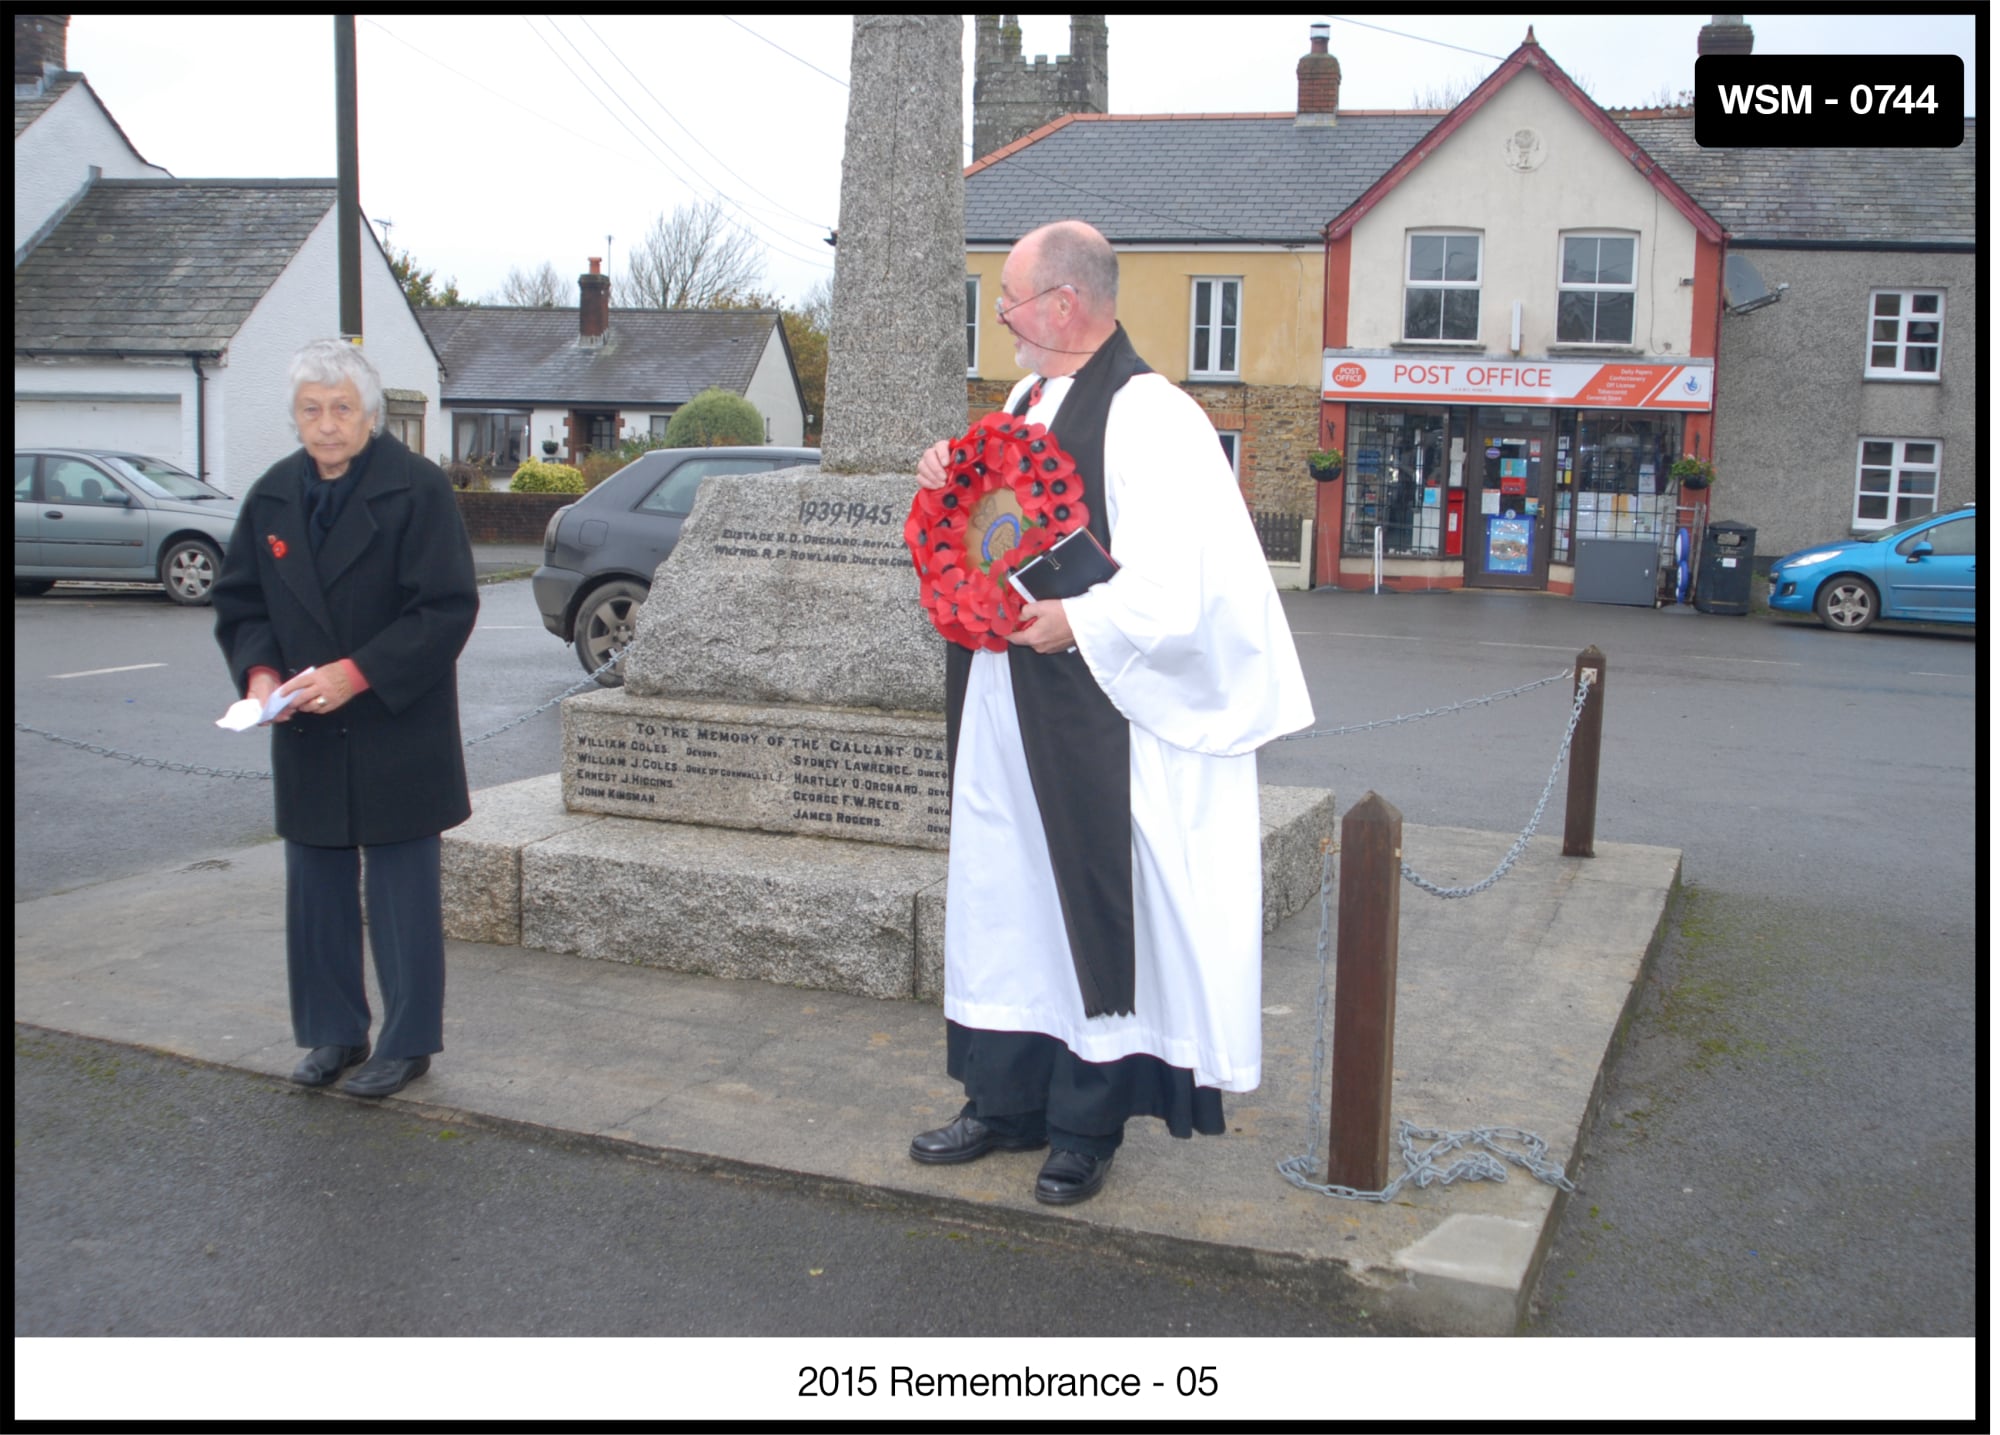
(1922, 569)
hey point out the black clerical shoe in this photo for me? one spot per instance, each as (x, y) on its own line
(967, 1139)
(323, 1064)
(386, 1075)
(1070, 1176)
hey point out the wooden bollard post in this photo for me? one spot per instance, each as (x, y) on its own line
(1580, 815)
(1364, 994)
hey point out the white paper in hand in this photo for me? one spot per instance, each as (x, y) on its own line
(245, 713)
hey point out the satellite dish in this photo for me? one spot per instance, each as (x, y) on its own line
(1743, 287)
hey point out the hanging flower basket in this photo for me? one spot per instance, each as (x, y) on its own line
(1325, 465)
(1691, 472)
(1009, 493)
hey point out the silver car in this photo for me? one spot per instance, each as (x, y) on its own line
(599, 553)
(96, 515)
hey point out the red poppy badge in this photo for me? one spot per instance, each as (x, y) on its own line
(277, 545)
(1010, 492)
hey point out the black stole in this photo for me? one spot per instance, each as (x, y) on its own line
(1078, 746)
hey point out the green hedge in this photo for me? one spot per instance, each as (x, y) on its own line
(537, 477)
(713, 417)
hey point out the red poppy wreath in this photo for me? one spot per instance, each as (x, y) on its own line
(1009, 493)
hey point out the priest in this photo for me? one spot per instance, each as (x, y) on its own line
(1104, 916)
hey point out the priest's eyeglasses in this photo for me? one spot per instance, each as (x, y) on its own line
(1001, 308)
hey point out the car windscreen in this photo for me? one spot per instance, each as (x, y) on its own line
(675, 493)
(161, 480)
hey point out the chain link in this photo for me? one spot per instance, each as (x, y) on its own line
(265, 776)
(1586, 677)
(1427, 712)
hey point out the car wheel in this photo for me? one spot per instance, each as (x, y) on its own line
(31, 587)
(1847, 604)
(188, 568)
(607, 620)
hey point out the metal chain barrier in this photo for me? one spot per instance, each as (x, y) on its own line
(1427, 712)
(1410, 875)
(265, 776)
(1418, 1166)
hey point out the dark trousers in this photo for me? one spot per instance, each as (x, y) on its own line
(323, 945)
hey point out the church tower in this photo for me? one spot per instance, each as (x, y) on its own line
(1012, 97)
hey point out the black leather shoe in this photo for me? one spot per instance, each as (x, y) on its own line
(967, 1139)
(1070, 1176)
(386, 1075)
(323, 1064)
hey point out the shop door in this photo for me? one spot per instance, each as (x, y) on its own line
(1508, 545)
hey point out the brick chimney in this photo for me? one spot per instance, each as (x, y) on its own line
(1319, 82)
(41, 45)
(593, 315)
(1726, 35)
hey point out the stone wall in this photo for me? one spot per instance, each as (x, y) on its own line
(1279, 427)
(509, 517)
(1012, 97)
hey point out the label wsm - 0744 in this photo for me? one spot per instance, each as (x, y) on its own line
(1829, 101)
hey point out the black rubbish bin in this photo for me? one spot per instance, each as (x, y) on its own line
(1723, 584)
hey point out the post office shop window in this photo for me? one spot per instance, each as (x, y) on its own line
(1898, 480)
(1395, 481)
(1441, 293)
(972, 326)
(1905, 334)
(1213, 328)
(1613, 479)
(1597, 289)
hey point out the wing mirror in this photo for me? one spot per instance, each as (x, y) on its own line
(1922, 550)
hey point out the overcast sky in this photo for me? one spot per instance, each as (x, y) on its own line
(490, 142)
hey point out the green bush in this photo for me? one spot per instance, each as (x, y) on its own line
(597, 467)
(712, 417)
(537, 477)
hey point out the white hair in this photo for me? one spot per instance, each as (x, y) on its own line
(334, 362)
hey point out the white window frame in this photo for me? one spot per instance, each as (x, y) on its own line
(1215, 328)
(1597, 290)
(1477, 286)
(972, 326)
(1901, 343)
(1232, 449)
(1899, 465)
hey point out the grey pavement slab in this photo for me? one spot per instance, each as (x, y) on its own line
(1508, 1007)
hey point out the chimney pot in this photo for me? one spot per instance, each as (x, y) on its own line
(1725, 35)
(593, 314)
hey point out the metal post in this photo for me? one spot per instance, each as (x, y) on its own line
(1580, 814)
(1364, 994)
(347, 203)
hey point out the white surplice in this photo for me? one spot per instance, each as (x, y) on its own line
(1190, 643)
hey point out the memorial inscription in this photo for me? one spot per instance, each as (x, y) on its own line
(828, 771)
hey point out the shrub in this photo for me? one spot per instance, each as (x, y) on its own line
(537, 477)
(599, 466)
(715, 416)
(466, 475)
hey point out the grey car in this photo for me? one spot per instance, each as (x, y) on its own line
(599, 553)
(100, 515)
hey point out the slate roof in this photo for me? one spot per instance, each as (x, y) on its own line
(162, 265)
(649, 356)
(1849, 196)
(1187, 178)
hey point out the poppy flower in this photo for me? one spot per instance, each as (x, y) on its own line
(277, 545)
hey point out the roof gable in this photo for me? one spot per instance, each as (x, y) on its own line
(648, 356)
(30, 107)
(162, 265)
(1530, 56)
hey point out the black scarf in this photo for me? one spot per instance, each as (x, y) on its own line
(1077, 745)
(326, 497)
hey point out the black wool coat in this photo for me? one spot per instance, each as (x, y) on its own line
(393, 588)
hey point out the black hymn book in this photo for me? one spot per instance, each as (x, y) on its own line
(1071, 566)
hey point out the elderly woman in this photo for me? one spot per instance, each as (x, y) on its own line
(348, 587)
